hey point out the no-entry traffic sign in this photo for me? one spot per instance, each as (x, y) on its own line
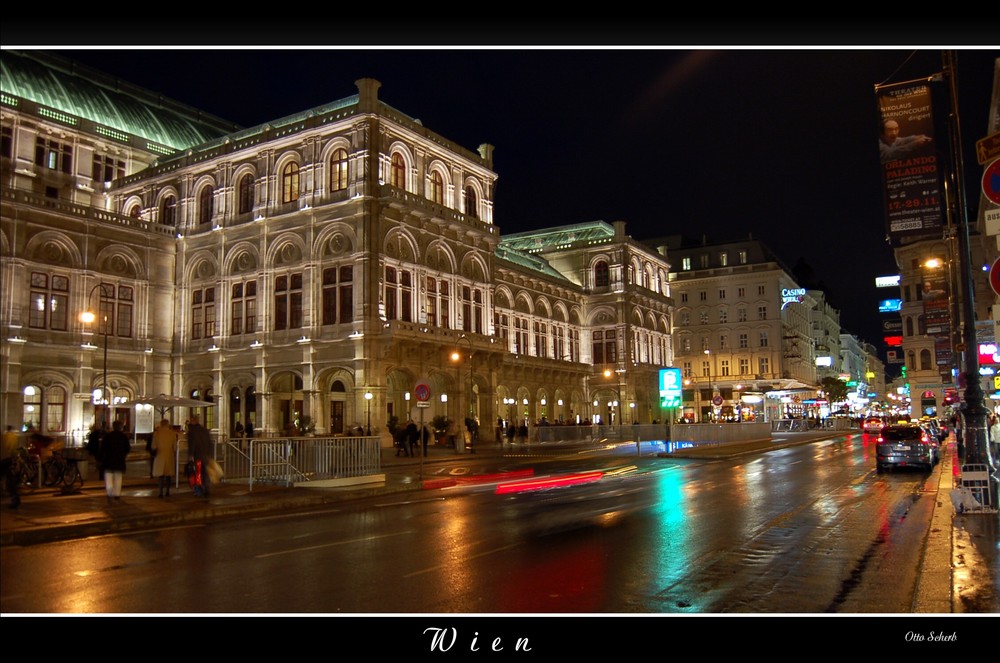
(995, 276)
(991, 181)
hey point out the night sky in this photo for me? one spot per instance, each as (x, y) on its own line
(723, 142)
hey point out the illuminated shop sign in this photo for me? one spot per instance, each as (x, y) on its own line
(988, 354)
(791, 296)
(887, 281)
(890, 305)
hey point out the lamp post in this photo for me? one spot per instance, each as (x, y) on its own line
(975, 433)
(88, 317)
(711, 383)
(465, 337)
(368, 397)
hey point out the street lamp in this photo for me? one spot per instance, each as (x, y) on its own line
(711, 381)
(88, 317)
(368, 397)
(465, 337)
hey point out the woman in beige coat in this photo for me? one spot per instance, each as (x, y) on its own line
(165, 447)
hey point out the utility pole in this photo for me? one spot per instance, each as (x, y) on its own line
(976, 428)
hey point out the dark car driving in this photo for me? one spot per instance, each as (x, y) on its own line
(904, 445)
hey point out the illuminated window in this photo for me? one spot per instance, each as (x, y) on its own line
(520, 335)
(724, 259)
(114, 316)
(398, 294)
(338, 170)
(686, 264)
(246, 194)
(49, 300)
(437, 302)
(437, 187)
(398, 171)
(541, 339)
(243, 306)
(203, 313)
(53, 155)
(288, 301)
(290, 183)
(743, 257)
(501, 328)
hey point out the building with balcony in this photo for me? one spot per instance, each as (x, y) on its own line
(307, 272)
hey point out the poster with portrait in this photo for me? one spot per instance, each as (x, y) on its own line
(911, 167)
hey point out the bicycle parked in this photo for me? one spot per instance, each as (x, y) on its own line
(60, 470)
(24, 469)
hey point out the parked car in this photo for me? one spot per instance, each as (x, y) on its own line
(872, 424)
(933, 428)
(905, 445)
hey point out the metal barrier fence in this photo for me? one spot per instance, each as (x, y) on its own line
(287, 461)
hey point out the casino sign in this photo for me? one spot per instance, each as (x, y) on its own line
(791, 296)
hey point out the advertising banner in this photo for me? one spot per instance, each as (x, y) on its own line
(911, 172)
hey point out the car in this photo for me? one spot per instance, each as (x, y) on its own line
(872, 424)
(905, 445)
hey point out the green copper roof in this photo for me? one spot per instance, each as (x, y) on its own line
(551, 239)
(534, 263)
(61, 85)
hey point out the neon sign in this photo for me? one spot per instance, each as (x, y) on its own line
(791, 296)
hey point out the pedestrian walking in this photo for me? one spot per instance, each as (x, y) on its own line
(115, 447)
(249, 429)
(511, 432)
(522, 432)
(165, 452)
(412, 437)
(200, 450)
(94, 448)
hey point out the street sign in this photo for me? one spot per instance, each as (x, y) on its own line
(991, 181)
(422, 392)
(988, 148)
(995, 276)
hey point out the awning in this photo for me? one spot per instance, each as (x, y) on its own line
(163, 402)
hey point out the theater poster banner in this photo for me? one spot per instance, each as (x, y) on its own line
(911, 170)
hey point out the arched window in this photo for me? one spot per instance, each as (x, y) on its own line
(437, 188)
(246, 194)
(925, 360)
(471, 203)
(601, 275)
(168, 211)
(290, 183)
(206, 203)
(909, 326)
(134, 212)
(398, 174)
(338, 170)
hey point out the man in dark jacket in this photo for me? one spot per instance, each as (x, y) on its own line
(114, 450)
(200, 450)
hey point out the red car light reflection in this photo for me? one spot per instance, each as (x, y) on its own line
(542, 483)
